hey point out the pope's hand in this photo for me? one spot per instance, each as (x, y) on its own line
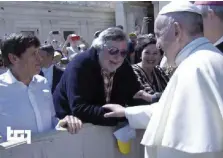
(116, 110)
(71, 123)
(139, 94)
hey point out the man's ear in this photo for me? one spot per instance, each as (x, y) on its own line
(177, 30)
(211, 14)
(13, 58)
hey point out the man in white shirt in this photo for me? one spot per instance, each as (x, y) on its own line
(26, 100)
(187, 122)
(51, 72)
(212, 13)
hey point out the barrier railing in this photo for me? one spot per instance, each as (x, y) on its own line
(91, 142)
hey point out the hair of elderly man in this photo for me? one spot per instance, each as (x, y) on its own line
(191, 22)
(17, 44)
(110, 34)
(218, 10)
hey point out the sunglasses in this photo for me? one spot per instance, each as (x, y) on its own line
(115, 51)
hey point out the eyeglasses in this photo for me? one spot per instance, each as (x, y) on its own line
(115, 51)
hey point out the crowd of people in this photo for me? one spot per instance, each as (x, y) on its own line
(169, 83)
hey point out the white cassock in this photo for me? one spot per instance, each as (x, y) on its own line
(187, 122)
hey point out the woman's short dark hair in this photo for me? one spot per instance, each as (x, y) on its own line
(139, 48)
(17, 44)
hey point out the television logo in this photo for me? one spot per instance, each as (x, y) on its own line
(18, 135)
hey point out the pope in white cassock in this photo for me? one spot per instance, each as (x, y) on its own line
(187, 122)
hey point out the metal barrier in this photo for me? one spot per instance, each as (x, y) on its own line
(91, 142)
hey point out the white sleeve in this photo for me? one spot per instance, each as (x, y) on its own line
(139, 116)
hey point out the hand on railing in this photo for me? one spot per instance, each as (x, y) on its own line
(69, 123)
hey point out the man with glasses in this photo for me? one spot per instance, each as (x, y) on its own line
(97, 77)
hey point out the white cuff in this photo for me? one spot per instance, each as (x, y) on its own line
(139, 116)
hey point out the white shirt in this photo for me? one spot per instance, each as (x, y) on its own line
(48, 74)
(189, 116)
(25, 108)
(218, 41)
(72, 52)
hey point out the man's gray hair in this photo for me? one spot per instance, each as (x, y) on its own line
(191, 22)
(110, 34)
(218, 10)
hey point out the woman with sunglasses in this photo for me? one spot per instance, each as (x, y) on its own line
(95, 78)
(152, 78)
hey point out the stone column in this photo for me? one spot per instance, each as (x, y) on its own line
(156, 8)
(162, 4)
(158, 5)
(120, 14)
(45, 29)
(2, 28)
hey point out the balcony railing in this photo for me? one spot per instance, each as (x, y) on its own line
(91, 142)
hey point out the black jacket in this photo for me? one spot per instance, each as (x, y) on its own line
(57, 74)
(220, 47)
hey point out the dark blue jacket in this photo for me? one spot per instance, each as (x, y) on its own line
(57, 74)
(220, 46)
(80, 91)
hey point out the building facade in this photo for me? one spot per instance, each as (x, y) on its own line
(83, 18)
(39, 18)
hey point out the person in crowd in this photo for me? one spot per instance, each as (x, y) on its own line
(56, 39)
(141, 40)
(152, 78)
(97, 77)
(82, 48)
(74, 41)
(51, 72)
(131, 48)
(212, 13)
(26, 101)
(63, 63)
(55, 44)
(145, 22)
(187, 122)
(57, 57)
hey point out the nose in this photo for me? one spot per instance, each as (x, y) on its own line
(117, 57)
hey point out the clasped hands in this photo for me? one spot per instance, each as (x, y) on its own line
(73, 124)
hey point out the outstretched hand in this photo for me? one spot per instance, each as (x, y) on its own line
(116, 110)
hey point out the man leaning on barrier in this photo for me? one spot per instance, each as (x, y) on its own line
(26, 99)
